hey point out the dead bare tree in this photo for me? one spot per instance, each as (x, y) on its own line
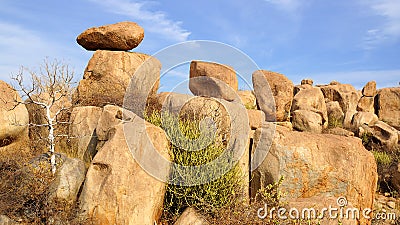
(50, 89)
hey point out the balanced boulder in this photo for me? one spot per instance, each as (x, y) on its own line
(121, 36)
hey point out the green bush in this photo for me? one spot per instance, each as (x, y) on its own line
(335, 122)
(186, 137)
(382, 158)
(366, 139)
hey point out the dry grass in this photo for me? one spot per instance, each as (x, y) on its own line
(25, 179)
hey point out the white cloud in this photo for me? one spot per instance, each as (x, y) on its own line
(286, 5)
(152, 21)
(389, 30)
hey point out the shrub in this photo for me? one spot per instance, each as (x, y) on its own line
(334, 122)
(366, 139)
(24, 191)
(211, 194)
(382, 158)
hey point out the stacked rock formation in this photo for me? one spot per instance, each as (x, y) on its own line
(110, 70)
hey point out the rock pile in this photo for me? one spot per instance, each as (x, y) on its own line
(299, 129)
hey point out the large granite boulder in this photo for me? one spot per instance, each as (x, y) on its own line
(14, 117)
(335, 114)
(82, 131)
(108, 75)
(312, 100)
(387, 106)
(121, 36)
(117, 189)
(308, 121)
(363, 118)
(68, 181)
(282, 92)
(213, 80)
(369, 90)
(320, 165)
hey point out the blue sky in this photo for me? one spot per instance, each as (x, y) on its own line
(351, 41)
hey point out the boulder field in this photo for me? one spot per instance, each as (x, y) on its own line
(309, 134)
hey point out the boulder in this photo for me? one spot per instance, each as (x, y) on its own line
(366, 104)
(369, 90)
(121, 36)
(307, 81)
(82, 132)
(108, 75)
(14, 117)
(111, 116)
(248, 99)
(298, 88)
(320, 165)
(256, 118)
(347, 96)
(387, 106)
(213, 80)
(68, 180)
(117, 189)
(191, 217)
(363, 118)
(309, 121)
(385, 135)
(269, 84)
(311, 99)
(335, 114)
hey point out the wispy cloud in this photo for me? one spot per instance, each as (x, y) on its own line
(153, 21)
(291, 6)
(389, 30)
(17, 45)
(21, 46)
